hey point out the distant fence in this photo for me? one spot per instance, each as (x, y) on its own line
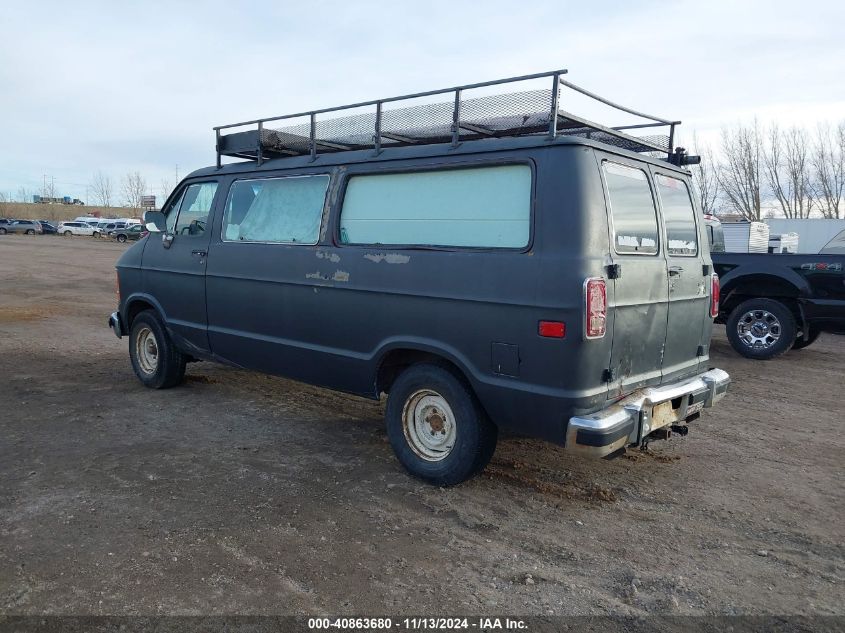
(59, 212)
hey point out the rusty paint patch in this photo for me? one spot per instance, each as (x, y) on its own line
(390, 258)
(663, 414)
(332, 257)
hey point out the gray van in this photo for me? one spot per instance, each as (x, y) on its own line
(506, 265)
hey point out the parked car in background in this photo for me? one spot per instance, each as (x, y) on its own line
(26, 227)
(130, 233)
(47, 227)
(105, 228)
(75, 228)
(773, 302)
(836, 246)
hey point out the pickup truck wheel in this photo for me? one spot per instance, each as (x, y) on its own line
(156, 361)
(761, 329)
(801, 342)
(437, 428)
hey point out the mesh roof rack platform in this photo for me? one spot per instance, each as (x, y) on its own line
(395, 122)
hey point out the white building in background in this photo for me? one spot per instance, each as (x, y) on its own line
(813, 233)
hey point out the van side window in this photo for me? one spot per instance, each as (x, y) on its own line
(195, 207)
(678, 215)
(280, 210)
(171, 213)
(475, 207)
(632, 209)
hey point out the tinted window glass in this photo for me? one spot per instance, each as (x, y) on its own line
(678, 215)
(632, 209)
(284, 210)
(172, 212)
(480, 207)
(194, 208)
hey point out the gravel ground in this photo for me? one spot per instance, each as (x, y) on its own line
(243, 493)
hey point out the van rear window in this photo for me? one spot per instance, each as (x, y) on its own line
(678, 215)
(486, 207)
(632, 209)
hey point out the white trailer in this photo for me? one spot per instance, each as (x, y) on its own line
(783, 243)
(746, 237)
(813, 233)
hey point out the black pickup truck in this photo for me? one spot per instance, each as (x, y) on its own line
(771, 303)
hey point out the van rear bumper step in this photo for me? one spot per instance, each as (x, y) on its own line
(633, 418)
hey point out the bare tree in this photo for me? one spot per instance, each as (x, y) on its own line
(828, 164)
(133, 189)
(705, 177)
(740, 175)
(102, 189)
(166, 188)
(787, 165)
(23, 195)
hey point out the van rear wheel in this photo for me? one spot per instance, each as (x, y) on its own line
(761, 329)
(156, 361)
(436, 426)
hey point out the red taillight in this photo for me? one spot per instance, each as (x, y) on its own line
(714, 295)
(595, 307)
(551, 329)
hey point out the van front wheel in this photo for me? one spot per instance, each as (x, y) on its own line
(156, 361)
(438, 429)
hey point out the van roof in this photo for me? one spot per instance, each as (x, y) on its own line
(426, 151)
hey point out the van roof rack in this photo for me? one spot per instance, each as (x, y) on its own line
(393, 122)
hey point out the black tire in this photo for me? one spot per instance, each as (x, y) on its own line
(169, 368)
(95, 234)
(30, 232)
(772, 317)
(801, 342)
(2, 231)
(474, 439)
(121, 238)
(67, 234)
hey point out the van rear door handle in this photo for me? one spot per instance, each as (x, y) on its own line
(674, 271)
(199, 253)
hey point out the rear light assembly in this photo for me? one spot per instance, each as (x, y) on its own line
(551, 329)
(595, 307)
(715, 291)
(117, 284)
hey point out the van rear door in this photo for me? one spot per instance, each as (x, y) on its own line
(640, 289)
(689, 323)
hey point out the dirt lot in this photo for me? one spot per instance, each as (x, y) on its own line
(241, 493)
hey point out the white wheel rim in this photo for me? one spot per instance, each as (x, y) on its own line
(429, 425)
(146, 350)
(758, 329)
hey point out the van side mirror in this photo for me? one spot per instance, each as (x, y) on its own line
(155, 221)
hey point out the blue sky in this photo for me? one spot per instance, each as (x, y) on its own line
(119, 87)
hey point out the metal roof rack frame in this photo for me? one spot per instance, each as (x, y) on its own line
(527, 113)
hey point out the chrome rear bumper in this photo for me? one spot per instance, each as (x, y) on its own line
(630, 420)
